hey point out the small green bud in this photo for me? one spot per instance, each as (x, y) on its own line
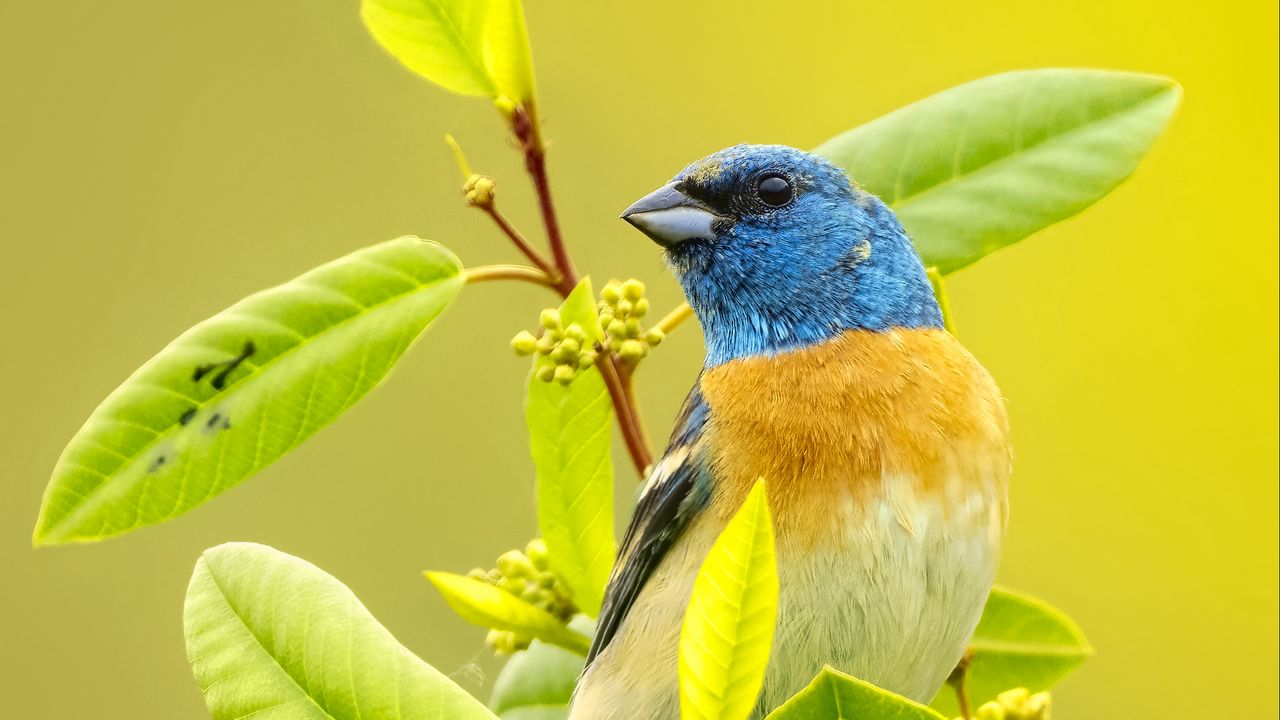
(575, 332)
(1014, 699)
(990, 711)
(536, 551)
(632, 350)
(513, 585)
(546, 373)
(617, 329)
(478, 574)
(606, 317)
(514, 564)
(641, 308)
(550, 319)
(586, 359)
(564, 374)
(524, 343)
(560, 354)
(571, 346)
(611, 292)
(633, 328)
(633, 289)
(545, 344)
(624, 307)
(532, 594)
(654, 336)
(1038, 706)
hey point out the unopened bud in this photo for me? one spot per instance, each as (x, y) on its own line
(546, 373)
(617, 329)
(575, 332)
(632, 350)
(536, 551)
(564, 374)
(611, 292)
(633, 289)
(479, 191)
(654, 336)
(990, 711)
(624, 307)
(641, 308)
(514, 564)
(586, 359)
(524, 343)
(550, 319)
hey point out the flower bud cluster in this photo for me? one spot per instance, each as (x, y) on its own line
(568, 348)
(479, 190)
(622, 305)
(1016, 704)
(528, 576)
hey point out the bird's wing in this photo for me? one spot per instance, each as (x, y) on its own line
(678, 486)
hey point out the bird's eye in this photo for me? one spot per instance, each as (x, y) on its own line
(774, 190)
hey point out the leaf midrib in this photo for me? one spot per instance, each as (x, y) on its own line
(306, 691)
(993, 165)
(90, 499)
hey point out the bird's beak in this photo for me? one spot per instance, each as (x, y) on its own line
(670, 217)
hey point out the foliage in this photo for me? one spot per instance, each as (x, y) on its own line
(728, 626)
(970, 170)
(269, 634)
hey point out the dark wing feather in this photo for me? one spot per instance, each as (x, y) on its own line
(678, 487)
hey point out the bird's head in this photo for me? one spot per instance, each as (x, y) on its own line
(777, 250)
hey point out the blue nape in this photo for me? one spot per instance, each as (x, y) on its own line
(833, 259)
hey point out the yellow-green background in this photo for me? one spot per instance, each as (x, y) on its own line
(162, 159)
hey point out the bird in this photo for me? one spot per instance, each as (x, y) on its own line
(883, 442)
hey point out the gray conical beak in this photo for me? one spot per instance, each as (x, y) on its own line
(670, 217)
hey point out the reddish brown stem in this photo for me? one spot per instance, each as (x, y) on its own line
(524, 126)
(624, 410)
(523, 245)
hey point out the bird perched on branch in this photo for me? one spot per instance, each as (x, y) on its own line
(828, 372)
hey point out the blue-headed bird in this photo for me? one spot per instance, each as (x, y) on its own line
(883, 442)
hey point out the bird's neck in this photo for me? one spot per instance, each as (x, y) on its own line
(751, 311)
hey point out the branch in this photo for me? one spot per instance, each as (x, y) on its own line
(535, 162)
(675, 318)
(518, 240)
(485, 273)
(623, 406)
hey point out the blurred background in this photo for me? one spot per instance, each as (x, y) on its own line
(163, 159)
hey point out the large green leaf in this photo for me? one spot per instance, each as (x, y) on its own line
(489, 606)
(569, 437)
(272, 636)
(836, 696)
(244, 387)
(985, 164)
(472, 47)
(1021, 641)
(728, 626)
(442, 40)
(506, 51)
(538, 684)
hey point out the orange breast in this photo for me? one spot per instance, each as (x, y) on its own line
(831, 425)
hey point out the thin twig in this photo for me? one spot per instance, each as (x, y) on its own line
(619, 393)
(518, 240)
(485, 273)
(524, 126)
(673, 319)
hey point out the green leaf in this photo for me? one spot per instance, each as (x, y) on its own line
(836, 696)
(506, 52)
(441, 40)
(728, 627)
(272, 636)
(537, 684)
(489, 606)
(985, 164)
(1021, 641)
(569, 438)
(277, 367)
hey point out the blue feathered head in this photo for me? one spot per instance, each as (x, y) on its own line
(776, 250)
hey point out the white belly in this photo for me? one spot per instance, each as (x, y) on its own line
(894, 603)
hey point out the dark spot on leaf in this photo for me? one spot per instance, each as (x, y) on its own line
(157, 463)
(227, 367)
(186, 416)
